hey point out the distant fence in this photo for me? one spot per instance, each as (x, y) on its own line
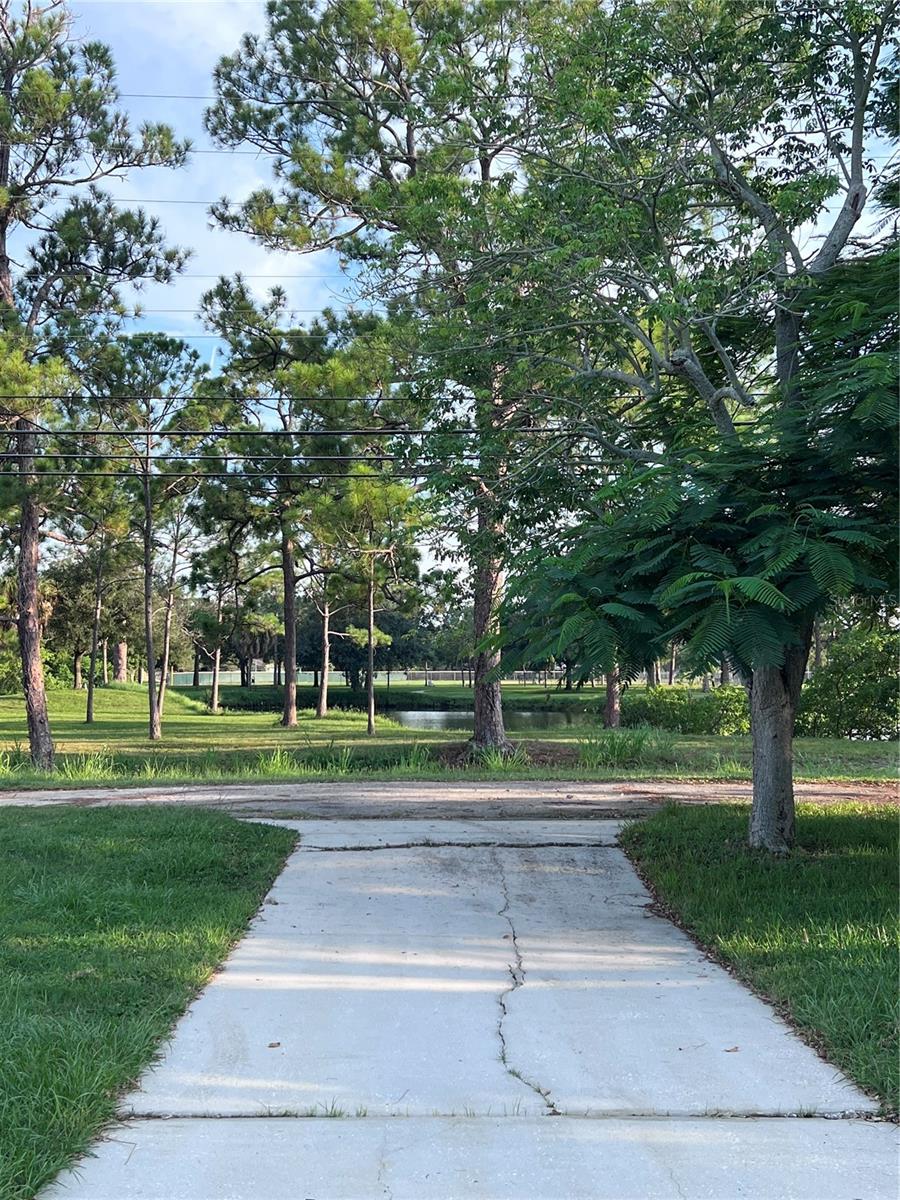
(265, 675)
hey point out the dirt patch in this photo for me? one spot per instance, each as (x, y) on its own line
(540, 754)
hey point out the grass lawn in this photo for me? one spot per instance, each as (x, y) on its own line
(816, 932)
(253, 746)
(110, 922)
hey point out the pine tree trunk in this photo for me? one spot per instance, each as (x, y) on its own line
(322, 699)
(77, 680)
(95, 639)
(774, 695)
(612, 714)
(120, 662)
(155, 729)
(195, 679)
(672, 665)
(216, 657)
(105, 656)
(489, 732)
(167, 626)
(289, 711)
(28, 621)
(370, 649)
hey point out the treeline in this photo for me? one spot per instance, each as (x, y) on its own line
(625, 333)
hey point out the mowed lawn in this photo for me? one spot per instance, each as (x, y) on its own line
(110, 922)
(816, 932)
(253, 745)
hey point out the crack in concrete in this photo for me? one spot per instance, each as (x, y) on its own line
(517, 980)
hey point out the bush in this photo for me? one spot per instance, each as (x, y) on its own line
(855, 693)
(723, 710)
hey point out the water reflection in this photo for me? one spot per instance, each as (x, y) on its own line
(515, 720)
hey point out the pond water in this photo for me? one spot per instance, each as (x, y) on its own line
(515, 720)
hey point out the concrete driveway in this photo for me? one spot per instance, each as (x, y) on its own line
(427, 1010)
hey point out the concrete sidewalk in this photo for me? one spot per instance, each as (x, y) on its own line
(487, 1009)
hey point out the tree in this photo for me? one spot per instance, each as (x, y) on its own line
(377, 525)
(737, 549)
(60, 129)
(146, 387)
(388, 123)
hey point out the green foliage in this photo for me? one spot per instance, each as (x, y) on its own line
(722, 710)
(855, 693)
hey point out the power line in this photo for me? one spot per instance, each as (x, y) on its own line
(268, 433)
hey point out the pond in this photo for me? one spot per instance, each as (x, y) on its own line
(515, 720)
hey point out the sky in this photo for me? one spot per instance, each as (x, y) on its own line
(169, 48)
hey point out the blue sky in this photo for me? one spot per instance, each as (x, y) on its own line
(170, 47)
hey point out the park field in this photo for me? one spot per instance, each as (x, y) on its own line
(238, 745)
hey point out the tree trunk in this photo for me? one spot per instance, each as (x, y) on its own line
(672, 665)
(725, 672)
(155, 728)
(817, 645)
(167, 625)
(217, 657)
(322, 699)
(77, 681)
(370, 649)
(195, 679)
(95, 638)
(489, 732)
(289, 711)
(28, 622)
(774, 695)
(120, 662)
(612, 709)
(105, 646)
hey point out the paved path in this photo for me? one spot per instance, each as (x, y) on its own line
(487, 1009)
(355, 798)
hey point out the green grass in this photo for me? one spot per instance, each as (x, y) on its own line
(815, 932)
(110, 922)
(252, 746)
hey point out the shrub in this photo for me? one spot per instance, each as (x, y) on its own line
(855, 693)
(724, 710)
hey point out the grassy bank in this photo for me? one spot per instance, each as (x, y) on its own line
(816, 933)
(253, 746)
(110, 922)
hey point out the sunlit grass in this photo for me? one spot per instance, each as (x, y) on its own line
(817, 931)
(246, 746)
(110, 921)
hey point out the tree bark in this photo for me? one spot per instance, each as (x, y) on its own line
(322, 698)
(195, 678)
(105, 649)
(725, 673)
(612, 709)
(370, 649)
(95, 638)
(217, 656)
(167, 625)
(28, 623)
(774, 695)
(77, 680)
(672, 665)
(489, 732)
(289, 574)
(155, 727)
(120, 662)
